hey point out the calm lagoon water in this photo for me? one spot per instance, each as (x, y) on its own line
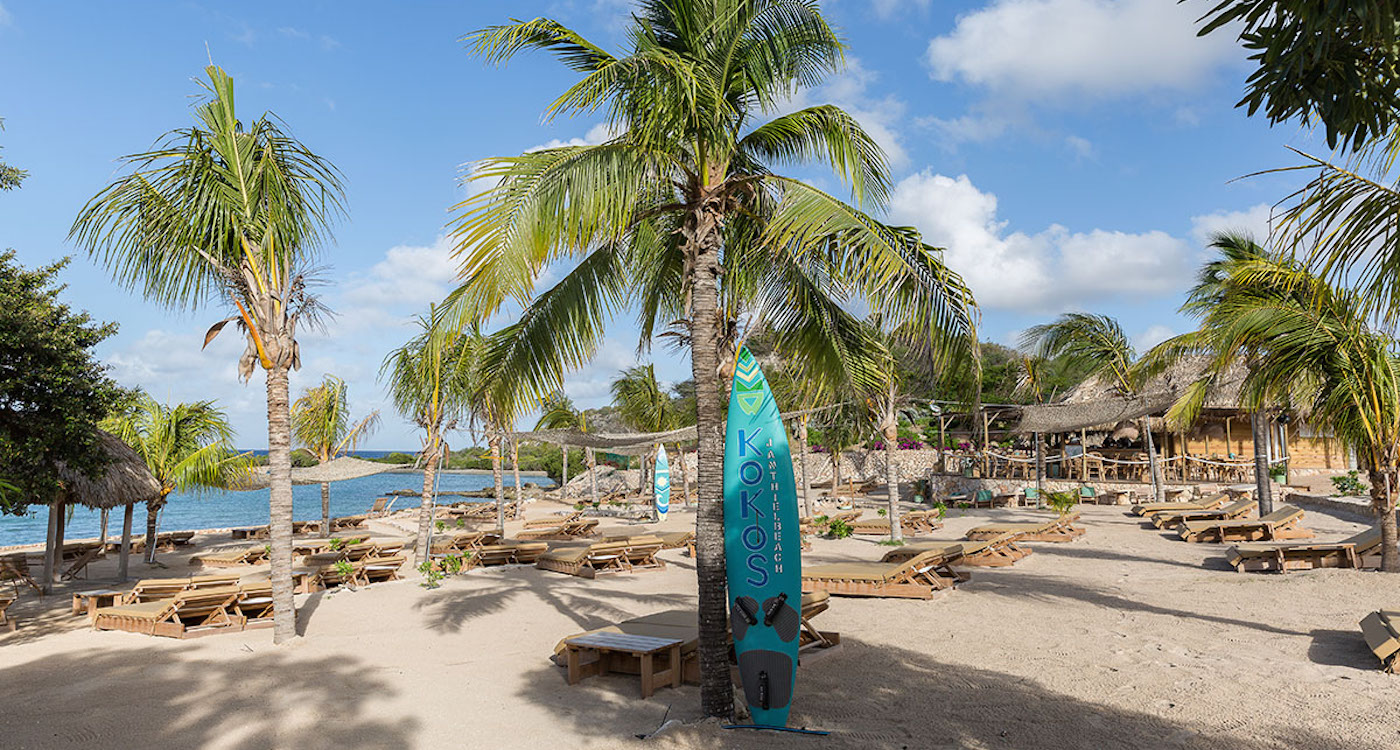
(221, 509)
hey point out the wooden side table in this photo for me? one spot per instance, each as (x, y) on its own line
(87, 602)
(644, 647)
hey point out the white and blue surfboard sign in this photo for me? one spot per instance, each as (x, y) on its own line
(661, 484)
(762, 546)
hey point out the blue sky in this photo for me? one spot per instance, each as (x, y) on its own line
(1070, 154)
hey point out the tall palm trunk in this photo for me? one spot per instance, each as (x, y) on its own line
(892, 481)
(1039, 470)
(592, 459)
(702, 239)
(427, 506)
(515, 469)
(685, 476)
(564, 476)
(102, 535)
(802, 462)
(1154, 467)
(495, 444)
(152, 523)
(1263, 491)
(325, 508)
(1383, 503)
(124, 557)
(279, 461)
(835, 474)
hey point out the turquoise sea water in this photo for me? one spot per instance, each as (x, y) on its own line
(222, 509)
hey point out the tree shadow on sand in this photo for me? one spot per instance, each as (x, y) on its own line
(167, 697)
(872, 696)
(1097, 553)
(590, 604)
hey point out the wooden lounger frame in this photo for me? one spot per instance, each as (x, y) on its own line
(997, 552)
(255, 555)
(506, 553)
(1382, 632)
(919, 577)
(1207, 503)
(1233, 511)
(7, 623)
(1281, 524)
(551, 521)
(1359, 551)
(1061, 529)
(181, 616)
(568, 530)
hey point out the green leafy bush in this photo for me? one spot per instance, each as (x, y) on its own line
(839, 529)
(1063, 501)
(1348, 484)
(881, 512)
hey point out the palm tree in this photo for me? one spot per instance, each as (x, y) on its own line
(842, 426)
(558, 413)
(643, 406)
(683, 196)
(321, 423)
(1310, 346)
(187, 447)
(229, 209)
(1097, 344)
(431, 380)
(1030, 385)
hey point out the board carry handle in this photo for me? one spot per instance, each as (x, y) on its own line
(763, 690)
(771, 610)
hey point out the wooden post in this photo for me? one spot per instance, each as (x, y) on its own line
(1229, 450)
(1084, 456)
(51, 549)
(126, 541)
(102, 537)
(942, 440)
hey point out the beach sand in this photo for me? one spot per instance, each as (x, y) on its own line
(1125, 638)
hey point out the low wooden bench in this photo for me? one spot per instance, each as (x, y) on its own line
(645, 648)
(85, 602)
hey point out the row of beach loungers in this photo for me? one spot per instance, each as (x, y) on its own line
(921, 570)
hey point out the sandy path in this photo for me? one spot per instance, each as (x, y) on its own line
(1122, 639)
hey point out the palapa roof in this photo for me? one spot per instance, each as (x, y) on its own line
(125, 479)
(335, 470)
(1098, 404)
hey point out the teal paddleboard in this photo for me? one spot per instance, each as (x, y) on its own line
(661, 484)
(762, 546)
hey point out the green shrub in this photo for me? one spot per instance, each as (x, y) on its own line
(941, 508)
(1348, 484)
(335, 544)
(891, 542)
(839, 529)
(343, 568)
(881, 512)
(1063, 501)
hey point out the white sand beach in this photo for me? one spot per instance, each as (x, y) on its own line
(1125, 638)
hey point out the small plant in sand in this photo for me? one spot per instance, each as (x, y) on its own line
(941, 508)
(432, 576)
(461, 523)
(335, 544)
(891, 542)
(441, 526)
(267, 549)
(344, 569)
(1348, 485)
(964, 505)
(881, 512)
(821, 520)
(839, 529)
(579, 506)
(1062, 502)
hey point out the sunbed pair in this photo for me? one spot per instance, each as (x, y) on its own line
(255, 555)
(918, 577)
(1283, 523)
(623, 555)
(996, 552)
(1171, 519)
(1360, 551)
(1061, 529)
(567, 530)
(193, 611)
(914, 523)
(1206, 503)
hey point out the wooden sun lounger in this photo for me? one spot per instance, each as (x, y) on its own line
(15, 568)
(7, 623)
(919, 577)
(349, 522)
(153, 589)
(180, 616)
(507, 553)
(382, 568)
(568, 530)
(551, 521)
(81, 562)
(915, 525)
(380, 507)
(676, 539)
(1236, 510)
(1207, 503)
(1360, 551)
(1281, 524)
(1059, 530)
(1382, 632)
(464, 541)
(996, 552)
(256, 555)
(586, 560)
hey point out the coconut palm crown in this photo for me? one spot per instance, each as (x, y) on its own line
(321, 423)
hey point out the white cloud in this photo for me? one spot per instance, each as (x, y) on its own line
(600, 133)
(1253, 221)
(850, 90)
(5, 18)
(1049, 49)
(1151, 337)
(1082, 148)
(886, 9)
(1050, 270)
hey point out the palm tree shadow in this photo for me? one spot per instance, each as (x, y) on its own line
(233, 700)
(915, 701)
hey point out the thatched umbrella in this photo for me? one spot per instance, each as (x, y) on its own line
(124, 482)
